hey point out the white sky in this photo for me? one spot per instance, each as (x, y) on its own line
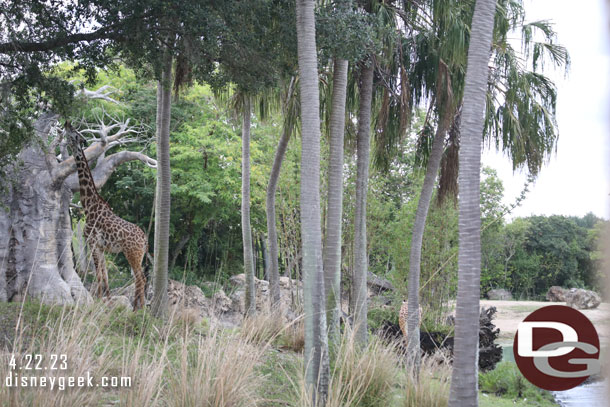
(576, 180)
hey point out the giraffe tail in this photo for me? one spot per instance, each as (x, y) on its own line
(147, 266)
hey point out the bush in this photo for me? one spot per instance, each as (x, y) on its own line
(507, 381)
(377, 316)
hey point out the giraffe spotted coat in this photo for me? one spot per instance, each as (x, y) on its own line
(105, 231)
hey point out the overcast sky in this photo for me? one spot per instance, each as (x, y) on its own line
(576, 180)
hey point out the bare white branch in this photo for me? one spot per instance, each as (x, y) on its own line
(102, 93)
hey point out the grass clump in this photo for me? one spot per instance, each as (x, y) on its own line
(360, 376)
(215, 370)
(262, 327)
(432, 388)
(506, 381)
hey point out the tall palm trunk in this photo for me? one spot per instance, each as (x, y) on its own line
(362, 178)
(246, 229)
(280, 153)
(316, 342)
(334, 211)
(163, 200)
(464, 379)
(434, 162)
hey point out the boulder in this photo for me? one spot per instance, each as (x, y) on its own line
(119, 300)
(499, 294)
(556, 294)
(222, 303)
(582, 299)
(377, 285)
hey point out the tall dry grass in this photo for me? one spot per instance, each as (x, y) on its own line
(170, 363)
(219, 370)
(431, 388)
(74, 334)
(360, 376)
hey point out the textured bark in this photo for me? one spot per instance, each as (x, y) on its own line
(362, 178)
(246, 229)
(159, 305)
(316, 341)
(334, 211)
(274, 176)
(434, 162)
(464, 378)
(35, 226)
(178, 249)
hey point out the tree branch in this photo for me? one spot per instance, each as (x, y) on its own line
(106, 167)
(58, 42)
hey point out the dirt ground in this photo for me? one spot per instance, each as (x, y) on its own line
(511, 313)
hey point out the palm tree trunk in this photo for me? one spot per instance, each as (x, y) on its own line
(464, 379)
(334, 212)
(280, 153)
(163, 201)
(246, 229)
(362, 177)
(434, 162)
(316, 342)
(164, 98)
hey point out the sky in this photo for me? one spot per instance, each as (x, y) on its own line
(576, 179)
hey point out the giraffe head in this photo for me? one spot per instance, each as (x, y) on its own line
(76, 140)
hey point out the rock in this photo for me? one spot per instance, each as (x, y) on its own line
(378, 284)
(499, 294)
(221, 301)
(187, 296)
(238, 280)
(582, 299)
(119, 300)
(556, 294)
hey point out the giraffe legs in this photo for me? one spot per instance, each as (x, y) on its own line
(135, 261)
(101, 273)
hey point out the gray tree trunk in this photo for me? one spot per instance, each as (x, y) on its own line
(159, 305)
(362, 178)
(280, 153)
(464, 378)
(334, 212)
(35, 230)
(434, 162)
(246, 230)
(316, 341)
(178, 249)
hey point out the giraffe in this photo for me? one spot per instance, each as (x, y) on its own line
(105, 231)
(402, 317)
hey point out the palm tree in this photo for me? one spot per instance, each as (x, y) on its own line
(246, 230)
(288, 111)
(464, 379)
(163, 198)
(362, 176)
(316, 342)
(519, 112)
(334, 212)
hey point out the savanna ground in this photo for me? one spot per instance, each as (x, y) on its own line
(511, 313)
(186, 362)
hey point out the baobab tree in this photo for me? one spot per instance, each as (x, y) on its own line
(35, 226)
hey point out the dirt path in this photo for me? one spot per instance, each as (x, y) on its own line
(511, 313)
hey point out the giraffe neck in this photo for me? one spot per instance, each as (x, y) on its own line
(88, 193)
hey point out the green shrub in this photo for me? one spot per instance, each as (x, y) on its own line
(377, 316)
(507, 381)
